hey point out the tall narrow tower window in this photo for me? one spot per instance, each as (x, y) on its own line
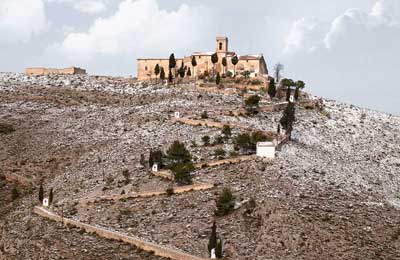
(220, 46)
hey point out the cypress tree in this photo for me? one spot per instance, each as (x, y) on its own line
(162, 74)
(234, 61)
(189, 73)
(181, 71)
(41, 193)
(214, 60)
(172, 61)
(218, 79)
(212, 243)
(170, 77)
(194, 64)
(51, 196)
(157, 70)
(288, 119)
(272, 88)
(224, 63)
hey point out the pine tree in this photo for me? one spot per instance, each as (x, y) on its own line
(180, 163)
(212, 243)
(41, 193)
(51, 196)
(234, 61)
(225, 203)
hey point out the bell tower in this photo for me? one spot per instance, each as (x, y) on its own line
(222, 45)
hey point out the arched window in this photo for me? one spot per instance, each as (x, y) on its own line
(220, 46)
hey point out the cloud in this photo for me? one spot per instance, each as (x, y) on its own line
(85, 6)
(305, 34)
(138, 28)
(354, 59)
(21, 19)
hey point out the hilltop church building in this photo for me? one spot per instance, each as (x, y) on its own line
(255, 64)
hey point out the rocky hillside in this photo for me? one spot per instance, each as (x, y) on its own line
(332, 192)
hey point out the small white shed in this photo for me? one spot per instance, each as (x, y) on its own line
(266, 149)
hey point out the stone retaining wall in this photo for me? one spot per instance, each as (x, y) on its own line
(135, 241)
(177, 190)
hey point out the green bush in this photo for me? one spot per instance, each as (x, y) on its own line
(182, 172)
(219, 140)
(220, 153)
(204, 115)
(206, 140)
(247, 142)
(225, 203)
(6, 129)
(14, 192)
(226, 131)
(170, 191)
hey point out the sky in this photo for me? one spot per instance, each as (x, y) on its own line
(346, 50)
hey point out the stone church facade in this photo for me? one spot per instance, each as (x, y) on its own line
(255, 64)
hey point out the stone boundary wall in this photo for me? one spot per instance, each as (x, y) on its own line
(108, 234)
(47, 71)
(177, 190)
(226, 161)
(210, 123)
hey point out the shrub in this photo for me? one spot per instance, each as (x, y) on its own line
(248, 142)
(14, 192)
(252, 103)
(170, 191)
(206, 140)
(220, 153)
(256, 82)
(126, 174)
(204, 115)
(225, 203)
(229, 74)
(219, 140)
(226, 131)
(6, 129)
